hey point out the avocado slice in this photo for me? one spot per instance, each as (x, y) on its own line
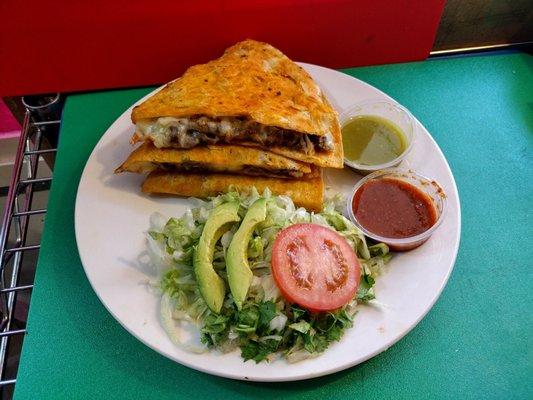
(239, 273)
(211, 285)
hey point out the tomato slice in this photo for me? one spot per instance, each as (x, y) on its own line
(315, 267)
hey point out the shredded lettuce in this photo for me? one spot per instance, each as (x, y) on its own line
(266, 326)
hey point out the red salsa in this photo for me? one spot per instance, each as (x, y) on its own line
(393, 208)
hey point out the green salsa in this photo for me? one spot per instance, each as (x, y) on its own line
(372, 140)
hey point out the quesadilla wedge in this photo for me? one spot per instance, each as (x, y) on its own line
(308, 193)
(215, 158)
(253, 96)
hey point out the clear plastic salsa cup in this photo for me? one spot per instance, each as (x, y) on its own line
(427, 186)
(387, 110)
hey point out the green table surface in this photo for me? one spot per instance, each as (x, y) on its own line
(475, 343)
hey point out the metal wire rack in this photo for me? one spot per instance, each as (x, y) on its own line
(25, 181)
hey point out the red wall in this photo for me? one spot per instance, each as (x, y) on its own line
(58, 46)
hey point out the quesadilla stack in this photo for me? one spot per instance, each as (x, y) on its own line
(249, 118)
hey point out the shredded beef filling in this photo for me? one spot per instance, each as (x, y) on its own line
(247, 169)
(185, 133)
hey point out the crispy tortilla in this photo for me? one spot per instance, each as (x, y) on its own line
(214, 158)
(256, 81)
(308, 193)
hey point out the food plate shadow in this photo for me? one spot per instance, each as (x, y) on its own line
(110, 156)
(355, 375)
(143, 264)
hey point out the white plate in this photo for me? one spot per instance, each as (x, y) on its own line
(112, 216)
